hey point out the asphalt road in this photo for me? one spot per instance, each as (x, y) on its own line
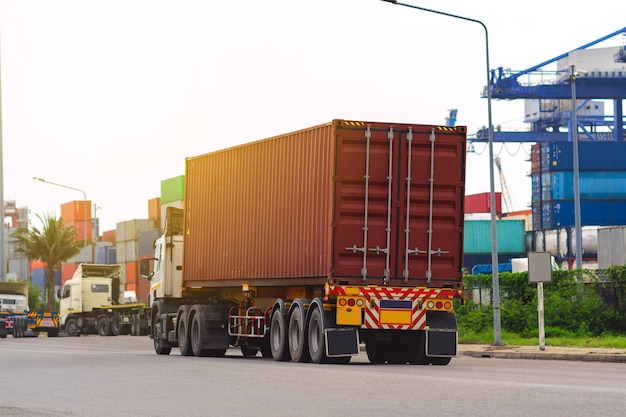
(121, 376)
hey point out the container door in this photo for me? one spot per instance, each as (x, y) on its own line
(399, 204)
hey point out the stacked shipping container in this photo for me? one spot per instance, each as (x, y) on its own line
(602, 185)
(477, 241)
(127, 252)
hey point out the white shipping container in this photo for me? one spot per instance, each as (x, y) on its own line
(130, 229)
(611, 246)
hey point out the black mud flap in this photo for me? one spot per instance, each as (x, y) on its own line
(441, 343)
(342, 342)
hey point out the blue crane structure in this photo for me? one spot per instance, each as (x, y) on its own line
(550, 86)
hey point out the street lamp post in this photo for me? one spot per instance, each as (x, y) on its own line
(574, 136)
(492, 199)
(84, 205)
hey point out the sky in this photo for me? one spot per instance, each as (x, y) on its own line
(110, 97)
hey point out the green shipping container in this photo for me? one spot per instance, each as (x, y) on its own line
(173, 189)
(510, 235)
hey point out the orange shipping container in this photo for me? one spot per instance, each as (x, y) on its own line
(109, 236)
(81, 226)
(76, 211)
(294, 207)
(154, 211)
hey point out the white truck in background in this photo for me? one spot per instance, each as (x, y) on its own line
(93, 301)
(16, 317)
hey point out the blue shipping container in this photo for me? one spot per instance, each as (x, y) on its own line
(38, 277)
(593, 185)
(536, 187)
(592, 156)
(560, 213)
(470, 261)
(477, 236)
(106, 255)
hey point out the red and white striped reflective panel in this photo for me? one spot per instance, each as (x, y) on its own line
(395, 308)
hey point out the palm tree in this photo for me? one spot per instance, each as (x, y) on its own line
(52, 244)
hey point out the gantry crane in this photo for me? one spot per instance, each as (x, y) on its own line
(506, 196)
(540, 84)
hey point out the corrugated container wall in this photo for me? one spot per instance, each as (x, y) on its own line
(130, 229)
(593, 185)
(481, 203)
(109, 236)
(593, 156)
(509, 233)
(154, 211)
(106, 255)
(173, 189)
(560, 213)
(611, 246)
(76, 211)
(294, 206)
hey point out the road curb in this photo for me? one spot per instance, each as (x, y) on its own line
(547, 356)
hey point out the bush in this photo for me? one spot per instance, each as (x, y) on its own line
(571, 307)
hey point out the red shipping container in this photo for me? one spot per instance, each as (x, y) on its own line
(481, 203)
(295, 207)
(67, 271)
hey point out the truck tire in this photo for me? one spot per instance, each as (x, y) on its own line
(104, 326)
(16, 327)
(376, 352)
(116, 325)
(417, 354)
(53, 333)
(279, 341)
(195, 336)
(182, 327)
(161, 347)
(298, 349)
(71, 328)
(266, 349)
(249, 351)
(134, 325)
(317, 345)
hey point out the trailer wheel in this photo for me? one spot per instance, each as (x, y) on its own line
(440, 361)
(182, 326)
(16, 328)
(104, 326)
(21, 327)
(53, 333)
(249, 351)
(134, 325)
(71, 328)
(417, 354)
(266, 350)
(375, 352)
(298, 348)
(196, 336)
(279, 343)
(116, 325)
(317, 345)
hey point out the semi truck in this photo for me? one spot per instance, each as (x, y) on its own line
(312, 245)
(93, 302)
(17, 319)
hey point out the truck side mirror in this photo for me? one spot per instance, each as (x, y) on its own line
(144, 268)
